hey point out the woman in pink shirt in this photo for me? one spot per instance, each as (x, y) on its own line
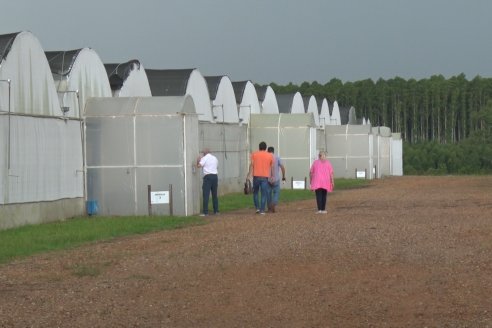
(322, 182)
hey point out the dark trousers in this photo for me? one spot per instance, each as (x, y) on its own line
(321, 198)
(210, 185)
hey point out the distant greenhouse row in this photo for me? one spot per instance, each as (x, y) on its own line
(76, 132)
(80, 74)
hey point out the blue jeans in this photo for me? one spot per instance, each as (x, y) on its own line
(210, 185)
(274, 193)
(260, 184)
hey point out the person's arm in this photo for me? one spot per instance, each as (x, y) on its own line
(311, 171)
(250, 172)
(332, 178)
(282, 168)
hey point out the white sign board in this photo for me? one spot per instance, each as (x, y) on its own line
(159, 197)
(361, 175)
(298, 185)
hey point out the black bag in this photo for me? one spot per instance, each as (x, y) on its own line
(247, 187)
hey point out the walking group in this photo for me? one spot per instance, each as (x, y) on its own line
(268, 173)
(265, 168)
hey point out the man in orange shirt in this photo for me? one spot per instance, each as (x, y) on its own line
(260, 168)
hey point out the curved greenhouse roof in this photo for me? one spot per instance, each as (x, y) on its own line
(347, 115)
(267, 99)
(246, 99)
(25, 71)
(223, 99)
(179, 82)
(79, 75)
(335, 118)
(290, 103)
(324, 111)
(128, 79)
(311, 106)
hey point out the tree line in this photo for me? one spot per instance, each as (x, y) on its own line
(433, 109)
(445, 124)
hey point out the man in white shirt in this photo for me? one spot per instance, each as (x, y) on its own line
(209, 165)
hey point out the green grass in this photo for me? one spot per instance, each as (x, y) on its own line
(34, 239)
(236, 201)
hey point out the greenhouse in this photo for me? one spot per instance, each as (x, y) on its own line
(267, 99)
(78, 75)
(181, 82)
(246, 99)
(129, 155)
(294, 138)
(41, 169)
(128, 79)
(223, 99)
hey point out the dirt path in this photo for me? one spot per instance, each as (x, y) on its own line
(403, 252)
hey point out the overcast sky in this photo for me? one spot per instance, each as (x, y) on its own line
(267, 41)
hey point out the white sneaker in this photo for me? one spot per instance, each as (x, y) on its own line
(324, 212)
(319, 212)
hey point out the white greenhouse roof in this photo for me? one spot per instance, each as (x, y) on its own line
(127, 106)
(290, 103)
(128, 79)
(335, 115)
(324, 112)
(267, 99)
(179, 82)
(247, 100)
(311, 106)
(79, 75)
(223, 99)
(24, 68)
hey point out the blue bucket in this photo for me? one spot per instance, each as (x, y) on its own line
(92, 207)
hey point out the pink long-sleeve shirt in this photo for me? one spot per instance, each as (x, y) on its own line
(321, 175)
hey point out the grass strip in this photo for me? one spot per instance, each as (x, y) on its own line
(34, 239)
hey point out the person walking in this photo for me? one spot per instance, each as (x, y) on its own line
(209, 165)
(322, 181)
(274, 181)
(260, 168)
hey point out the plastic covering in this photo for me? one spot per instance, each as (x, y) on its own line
(223, 99)
(128, 79)
(180, 82)
(45, 160)
(267, 99)
(396, 155)
(129, 148)
(79, 75)
(290, 103)
(247, 100)
(311, 106)
(324, 112)
(292, 135)
(350, 149)
(335, 118)
(229, 143)
(382, 151)
(42, 154)
(24, 64)
(347, 116)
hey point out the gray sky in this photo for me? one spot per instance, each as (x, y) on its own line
(267, 41)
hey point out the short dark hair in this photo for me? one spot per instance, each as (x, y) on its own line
(271, 149)
(262, 145)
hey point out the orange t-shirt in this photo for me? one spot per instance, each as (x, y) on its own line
(262, 163)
